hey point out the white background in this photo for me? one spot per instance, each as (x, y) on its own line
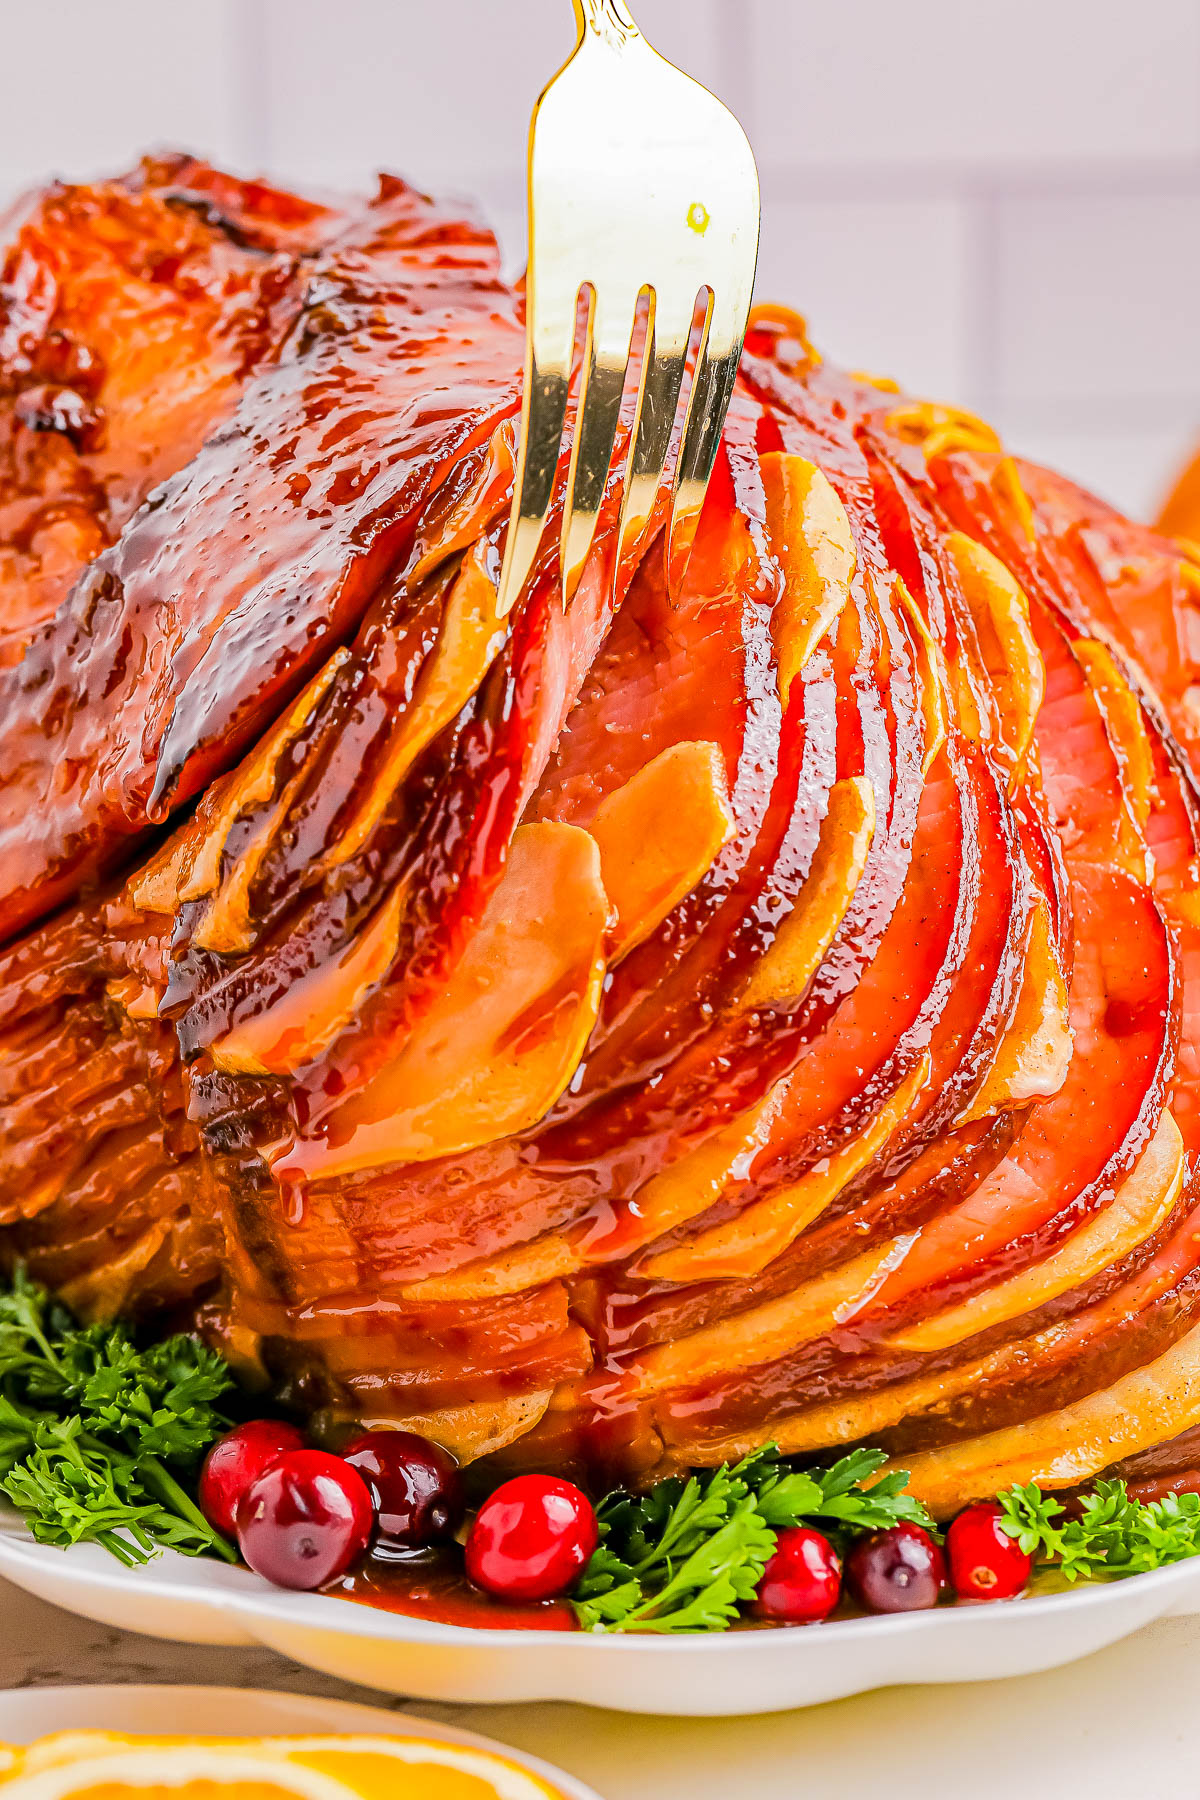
(997, 201)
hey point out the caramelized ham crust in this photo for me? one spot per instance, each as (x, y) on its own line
(613, 1036)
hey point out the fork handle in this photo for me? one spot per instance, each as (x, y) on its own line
(607, 19)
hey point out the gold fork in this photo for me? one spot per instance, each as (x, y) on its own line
(640, 182)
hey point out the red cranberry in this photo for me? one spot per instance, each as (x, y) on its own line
(415, 1486)
(235, 1463)
(802, 1581)
(897, 1570)
(531, 1538)
(305, 1520)
(985, 1563)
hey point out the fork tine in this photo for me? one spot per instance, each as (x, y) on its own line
(543, 409)
(610, 331)
(636, 175)
(654, 418)
(708, 401)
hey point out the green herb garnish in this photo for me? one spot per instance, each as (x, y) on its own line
(1114, 1535)
(688, 1554)
(99, 1439)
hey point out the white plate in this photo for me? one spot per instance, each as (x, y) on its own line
(29, 1713)
(200, 1602)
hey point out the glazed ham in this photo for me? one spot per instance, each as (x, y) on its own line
(610, 1037)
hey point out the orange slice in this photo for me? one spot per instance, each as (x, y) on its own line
(659, 835)
(931, 673)
(103, 1765)
(785, 970)
(468, 643)
(1010, 653)
(811, 536)
(316, 1007)
(504, 1036)
(1033, 1056)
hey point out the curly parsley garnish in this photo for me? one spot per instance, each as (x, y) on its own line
(100, 1439)
(688, 1554)
(1112, 1536)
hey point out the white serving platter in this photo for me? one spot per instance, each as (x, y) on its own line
(29, 1713)
(201, 1602)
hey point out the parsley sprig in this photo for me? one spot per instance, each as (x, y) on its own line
(690, 1553)
(99, 1438)
(1112, 1536)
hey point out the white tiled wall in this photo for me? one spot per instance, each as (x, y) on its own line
(999, 204)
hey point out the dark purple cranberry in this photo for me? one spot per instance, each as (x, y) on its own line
(897, 1570)
(305, 1520)
(414, 1486)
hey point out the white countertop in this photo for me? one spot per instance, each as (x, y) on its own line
(1121, 1724)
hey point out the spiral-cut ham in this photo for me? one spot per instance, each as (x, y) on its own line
(614, 1036)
